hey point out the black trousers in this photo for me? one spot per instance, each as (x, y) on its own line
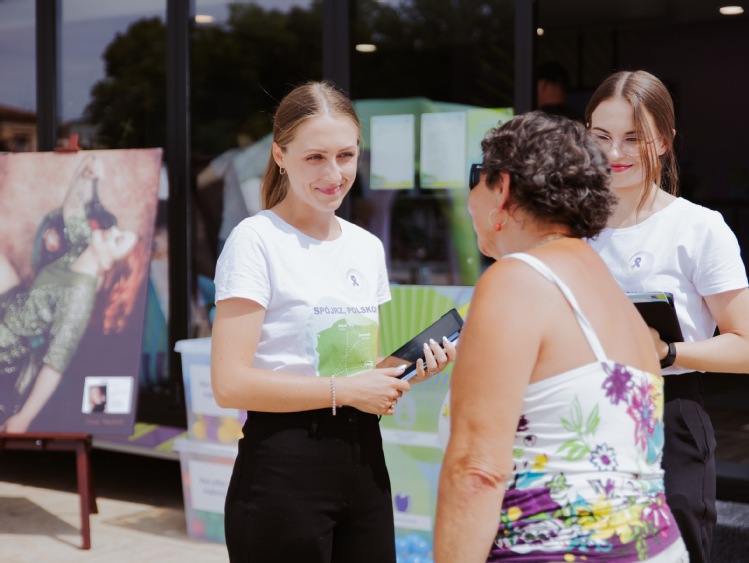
(310, 487)
(689, 463)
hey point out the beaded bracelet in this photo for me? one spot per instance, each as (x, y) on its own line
(332, 391)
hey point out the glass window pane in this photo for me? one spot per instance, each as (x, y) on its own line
(245, 56)
(113, 73)
(423, 57)
(18, 71)
(113, 78)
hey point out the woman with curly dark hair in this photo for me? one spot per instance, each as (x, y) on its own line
(555, 448)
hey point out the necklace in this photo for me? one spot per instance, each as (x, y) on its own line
(550, 238)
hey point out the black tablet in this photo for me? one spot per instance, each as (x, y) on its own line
(448, 325)
(659, 312)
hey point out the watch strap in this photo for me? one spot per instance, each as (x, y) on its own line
(670, 356)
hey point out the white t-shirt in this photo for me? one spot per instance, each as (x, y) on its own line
(684, 249)
(321, 297)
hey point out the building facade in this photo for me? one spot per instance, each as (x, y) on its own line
(202, 78)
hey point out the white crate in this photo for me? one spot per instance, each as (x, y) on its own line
(206, 470)
(206, 421)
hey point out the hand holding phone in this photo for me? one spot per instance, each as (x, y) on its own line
(447, 326)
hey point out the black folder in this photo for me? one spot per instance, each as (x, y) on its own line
(658, 310)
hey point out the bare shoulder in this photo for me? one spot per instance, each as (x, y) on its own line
(579, 266)
(510, 290)
(507, 275)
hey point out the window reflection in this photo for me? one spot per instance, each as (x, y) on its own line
(113, 79)
(113, 74)
(429, 58)
(460, 52)
(245, 56)
(18, 84)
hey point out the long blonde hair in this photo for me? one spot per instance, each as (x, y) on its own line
(304, 102)
(645, 93)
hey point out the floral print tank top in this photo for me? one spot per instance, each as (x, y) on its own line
(587, 483)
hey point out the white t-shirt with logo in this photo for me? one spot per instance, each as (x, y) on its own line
(685, 249)
(321, 298)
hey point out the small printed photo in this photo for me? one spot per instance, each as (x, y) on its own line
(97, 398)
(108, 395)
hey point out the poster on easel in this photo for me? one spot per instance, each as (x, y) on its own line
(76, 232)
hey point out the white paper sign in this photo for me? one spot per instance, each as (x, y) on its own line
(392, 152)
(208, 485)
(443, 150)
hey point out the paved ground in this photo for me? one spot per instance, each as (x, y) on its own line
(141, 514)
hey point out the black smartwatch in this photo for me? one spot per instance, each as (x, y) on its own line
(670, 357)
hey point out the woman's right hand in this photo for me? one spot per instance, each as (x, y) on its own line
(375, 391)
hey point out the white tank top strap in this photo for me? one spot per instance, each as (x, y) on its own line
(587, 328)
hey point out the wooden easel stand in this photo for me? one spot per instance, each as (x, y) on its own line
(81, 445)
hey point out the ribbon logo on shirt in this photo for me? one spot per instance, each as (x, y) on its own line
(355, 281)
(639, 264)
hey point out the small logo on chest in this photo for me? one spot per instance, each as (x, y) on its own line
(355, 281)
(639, 264)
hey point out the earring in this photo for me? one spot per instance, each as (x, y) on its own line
(498, 226)
(281, 170)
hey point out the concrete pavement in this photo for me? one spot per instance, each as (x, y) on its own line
(141, 515)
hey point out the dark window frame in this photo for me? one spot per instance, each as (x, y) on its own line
(336, 31)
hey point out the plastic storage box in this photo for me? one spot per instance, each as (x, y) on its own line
(206, 470)
(206, 421)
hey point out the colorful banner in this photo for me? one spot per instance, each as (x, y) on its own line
(75, 242)
(411, 439)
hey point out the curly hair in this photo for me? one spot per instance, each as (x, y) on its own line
(558, 173)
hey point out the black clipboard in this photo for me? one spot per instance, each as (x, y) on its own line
(658, 311)
(448, 325)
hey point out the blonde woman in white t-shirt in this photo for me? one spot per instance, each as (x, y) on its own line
(656, 241)
(298, 291)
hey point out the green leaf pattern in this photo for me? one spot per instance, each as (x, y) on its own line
(577, 448)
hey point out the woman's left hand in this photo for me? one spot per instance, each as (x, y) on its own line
(437, 357)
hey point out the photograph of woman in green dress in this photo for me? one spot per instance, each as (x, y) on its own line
(85, 276)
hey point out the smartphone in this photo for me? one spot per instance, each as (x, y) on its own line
(448, 325)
